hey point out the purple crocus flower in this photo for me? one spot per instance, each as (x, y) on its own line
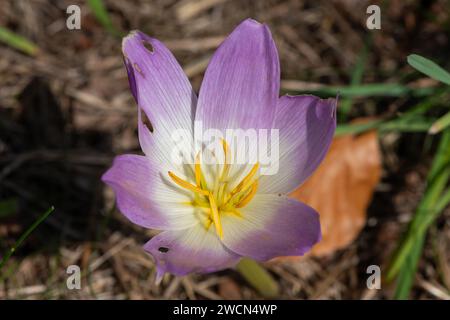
(209, 218)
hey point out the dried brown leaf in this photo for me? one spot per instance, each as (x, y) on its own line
(341, 189)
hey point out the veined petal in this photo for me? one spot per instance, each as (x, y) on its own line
(169, 153)
(194, 250)
(241, 83)
(271, 226)
(159, 84)
(306, 127)
(146, 197)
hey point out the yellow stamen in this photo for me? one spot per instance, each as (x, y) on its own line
(242, 203)
(226, 165)
(215, 216)
(218, 200)
(206, 220)
(199, 177)
(244, 183)
(233, 212)
(187, 185)
(221, 194)
(198, 202)
(208, 223)
(198, 171)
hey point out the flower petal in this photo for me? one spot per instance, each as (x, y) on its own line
(271, 226)
(158, 84)
(192, 250)
(169, 153)
(241, 83)
(146, 197)
(306, 127)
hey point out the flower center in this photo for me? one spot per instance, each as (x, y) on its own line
(218, 198)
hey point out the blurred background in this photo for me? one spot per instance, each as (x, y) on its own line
(66, 111)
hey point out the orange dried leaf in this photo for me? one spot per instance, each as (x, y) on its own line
(342, 188)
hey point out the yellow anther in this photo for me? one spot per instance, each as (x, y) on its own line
(215, 216)
(187, 185)
(244, 201)
(218, 200)
(244, 183)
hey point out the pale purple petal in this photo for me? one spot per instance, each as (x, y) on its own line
(271, 226)
(145, 197)
(158, 84)
(161, 148)
(241, 83)
(306, 127)
(193, 250)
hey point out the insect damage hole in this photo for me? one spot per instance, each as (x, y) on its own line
(163, 249)
(147, 45)
(146, 121)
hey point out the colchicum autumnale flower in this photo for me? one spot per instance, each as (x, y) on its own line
(211, 215)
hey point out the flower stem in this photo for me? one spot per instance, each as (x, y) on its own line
(258, 277)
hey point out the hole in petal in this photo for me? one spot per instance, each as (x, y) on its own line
(163, 249)
(148, 46)
(138, 69)
(146, 121)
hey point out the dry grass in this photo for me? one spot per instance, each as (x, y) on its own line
(57, 139)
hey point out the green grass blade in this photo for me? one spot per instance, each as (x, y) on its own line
(412, 120)
(25, 235)
(440, 124)
(102, 15)
(400, 125)
(356, 78)
(18, 42)
(428, 220)
(371, 90)
(434, 201)
(406, 276)
(429, 68)
(440, 98)
(410, 255)
(418, 124)
(437, 180)
(357, 128)
(442, 158)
